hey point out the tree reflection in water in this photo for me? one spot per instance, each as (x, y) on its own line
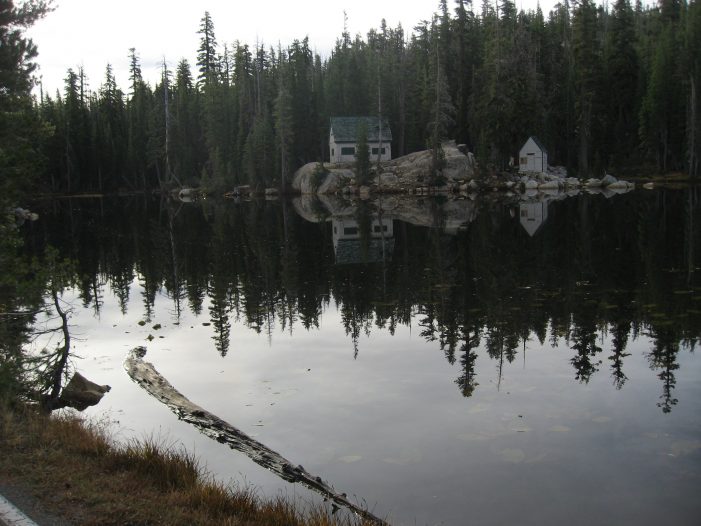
(472, 276)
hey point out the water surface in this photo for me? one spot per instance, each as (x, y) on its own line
(456, 361)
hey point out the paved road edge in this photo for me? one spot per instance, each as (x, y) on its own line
(10, 515)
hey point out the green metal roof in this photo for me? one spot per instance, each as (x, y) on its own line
(345, 129)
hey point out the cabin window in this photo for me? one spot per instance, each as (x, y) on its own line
(350, 231)
(333, 152)
(374, 151)
(377, 228)
(348, 150)
(524, 160)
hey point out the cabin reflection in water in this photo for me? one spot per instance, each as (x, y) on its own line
(371, 241)
(533, 214)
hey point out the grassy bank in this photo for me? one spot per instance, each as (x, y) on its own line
(74, 469)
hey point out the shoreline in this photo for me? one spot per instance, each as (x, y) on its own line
(74, 473)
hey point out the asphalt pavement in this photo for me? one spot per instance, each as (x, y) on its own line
(10, 515)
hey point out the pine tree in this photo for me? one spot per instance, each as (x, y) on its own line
(466, 39)
(284, 125)
(622, 67)
(110, 135)
(21, 132)
(71, 165)
(188, 149)
(207, 52)
(138, 109)
(441, 114)
(693, 67)
(662, 112)
(587, 63)
(362, 155)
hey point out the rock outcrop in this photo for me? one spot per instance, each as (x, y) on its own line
(410, 174)
(401, 175)
(80, 393)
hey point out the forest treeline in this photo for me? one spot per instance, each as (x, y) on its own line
(605, 89)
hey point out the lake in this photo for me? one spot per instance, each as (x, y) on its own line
(495, 360)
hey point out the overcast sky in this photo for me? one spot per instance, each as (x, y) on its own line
(93, 33)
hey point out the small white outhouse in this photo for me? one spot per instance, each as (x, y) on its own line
(533, 157)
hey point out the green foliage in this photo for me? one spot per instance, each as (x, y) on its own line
(437, 162)
(623, 79)
(692, 65)
(662, 119)
(284, 128)
(318, 176)
(22, 285)
(362, 156)
(23, 136)
(22, 133)
(587, 80)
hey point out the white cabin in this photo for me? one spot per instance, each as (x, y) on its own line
(533, 157)
(343, 136)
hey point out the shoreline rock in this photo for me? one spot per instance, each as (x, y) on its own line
(409, 174)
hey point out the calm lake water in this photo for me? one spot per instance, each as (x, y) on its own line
(493, 361)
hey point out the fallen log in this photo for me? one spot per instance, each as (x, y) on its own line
(146, 376)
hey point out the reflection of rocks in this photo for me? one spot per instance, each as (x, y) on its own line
(451, 215)
(454, 213)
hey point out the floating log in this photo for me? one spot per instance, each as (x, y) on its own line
(146, 376)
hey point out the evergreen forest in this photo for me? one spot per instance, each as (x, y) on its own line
(605, 88)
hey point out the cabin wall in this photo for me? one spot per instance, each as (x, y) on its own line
(532, 158)
(345, 152)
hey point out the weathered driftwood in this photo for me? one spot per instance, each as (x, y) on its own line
(146, 375)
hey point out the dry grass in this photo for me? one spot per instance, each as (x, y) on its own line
(81, 475)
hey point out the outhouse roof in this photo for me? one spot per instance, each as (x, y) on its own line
(345, 129)
(537, 143)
